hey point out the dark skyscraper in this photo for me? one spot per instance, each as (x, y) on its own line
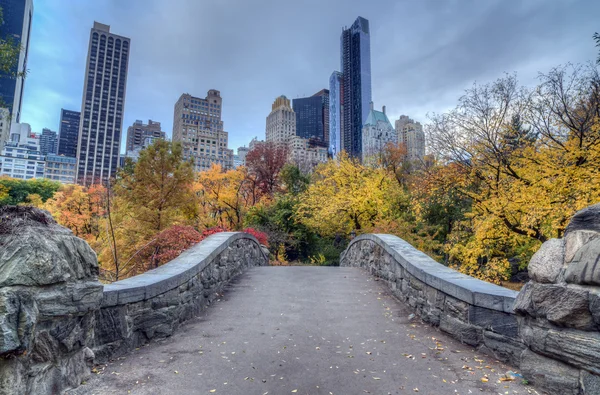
(48, 142)
(312, 116)
(68, 133)
(102, 106)
(351, 89)
(17, 16)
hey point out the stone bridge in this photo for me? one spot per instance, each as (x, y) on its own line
(218, 320)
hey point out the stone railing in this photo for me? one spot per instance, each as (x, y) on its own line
(551, 329)
(57, 319)
(153, 304)
(473, 311)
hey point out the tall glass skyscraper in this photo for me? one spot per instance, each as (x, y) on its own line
(312, 116)
(102, 106)
(68, 133)
(17, 16)
(353, 85)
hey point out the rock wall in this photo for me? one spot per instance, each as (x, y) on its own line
(473, 311)
(57, 319)
(155, 303)
(559, 310)
(49, 291)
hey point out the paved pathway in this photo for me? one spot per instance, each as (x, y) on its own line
(305, 330)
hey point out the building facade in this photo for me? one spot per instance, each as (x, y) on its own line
(68, 133)
(240, 158)
(60, 168)
(138, 132)
(21, 157)
(312, 116)
(102, 106)
(281, 122)
(17, 16)
(134, 153)
(335, 113)
(376, 134)
(410, 133)
(4, 126)
(48, 142)
(306, 153)
(198, 126)
(354, 88)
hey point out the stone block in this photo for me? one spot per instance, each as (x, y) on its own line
(584, 268)
(111, 325)
(465, 333)
(495, 321)
(595, 306)
(457, 308)
(74, 298)
(566, 306)
(577, 239)
(547, 263)
(506, 349)
(549, 374)
(577, 348)
(590, 383)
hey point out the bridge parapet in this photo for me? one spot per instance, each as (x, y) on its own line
(57, 319)
(473, 311)
(551, 329)
(155, 303)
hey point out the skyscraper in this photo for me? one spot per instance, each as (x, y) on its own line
(197, 125)
(48, 142)
(139, 131)
(102, 105)
(281, 122)
(353, 85)
(68, 133)
(17, 16)
(335, 113)
(312, 116)
(410, 133)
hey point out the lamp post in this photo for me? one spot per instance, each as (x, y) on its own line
(352, 234)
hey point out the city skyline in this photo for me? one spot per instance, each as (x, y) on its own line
(408, 75)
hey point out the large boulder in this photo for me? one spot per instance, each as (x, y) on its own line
(546, 264)
(49, 293)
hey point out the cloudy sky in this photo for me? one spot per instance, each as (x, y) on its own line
(423, 53)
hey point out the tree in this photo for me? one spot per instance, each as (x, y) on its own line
(294, 181)
(156, 196)
(224, 197)
(528, 161)
(79, 209)
(346, 195)
(265, 162)
(19, 190)
(394, 159)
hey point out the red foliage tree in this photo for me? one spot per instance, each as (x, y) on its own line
(264, 163)
(260, 236)
(169, 244)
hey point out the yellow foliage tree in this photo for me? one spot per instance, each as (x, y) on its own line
(224, 197)
(346, 195)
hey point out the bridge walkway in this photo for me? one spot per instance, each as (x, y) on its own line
(305, 330)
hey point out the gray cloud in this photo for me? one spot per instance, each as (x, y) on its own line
(424, 53)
